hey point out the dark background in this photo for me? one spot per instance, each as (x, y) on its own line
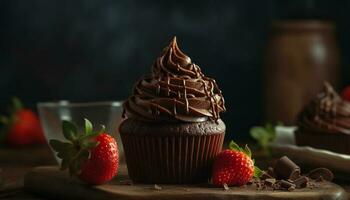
(96, 49)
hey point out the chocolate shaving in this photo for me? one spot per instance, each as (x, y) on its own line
(125, 182)
(291, 188)
(250, 182)
(270, 182)
(285, 184)
(286, 169)
(324, 172)
(301, 182)
(259, 185)
(265, 175)
(286, 176)
(270, 172)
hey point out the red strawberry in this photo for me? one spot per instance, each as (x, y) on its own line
(22, 127)
(103, 163)
(234, 166)
(93, 157)
(345, 94)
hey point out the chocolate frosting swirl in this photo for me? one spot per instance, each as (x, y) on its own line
(176, 90)
(328, 112)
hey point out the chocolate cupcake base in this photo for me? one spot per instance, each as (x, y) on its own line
(171, 153)
(339, 143)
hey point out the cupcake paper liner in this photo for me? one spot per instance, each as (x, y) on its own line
(339, 143)
(171, 159)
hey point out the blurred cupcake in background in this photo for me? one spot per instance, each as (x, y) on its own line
(325, 122)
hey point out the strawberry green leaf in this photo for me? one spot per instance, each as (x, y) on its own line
(88, 127)
(234, 146)
(72, 169)
(90, 144)
(257, 172)
(67, 153)
(83, 155)
(269, 127)
(16, 103)
(258, 133)
(264, 135)
(70, 130)
(91, 137)
(247, 151)
(59, 146)
(79, 163)
(4, 120)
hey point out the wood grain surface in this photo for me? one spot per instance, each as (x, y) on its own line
(50, 182)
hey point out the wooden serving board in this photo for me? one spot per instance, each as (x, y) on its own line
(52, 183)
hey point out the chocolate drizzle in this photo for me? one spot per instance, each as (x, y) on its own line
(176, 90)
(328, 112)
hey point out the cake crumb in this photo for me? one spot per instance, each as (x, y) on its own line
(225, 186)
(157, 187)
(291, 188)
(320, 179)
(125, 182)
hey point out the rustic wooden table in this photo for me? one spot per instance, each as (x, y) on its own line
(15, 164)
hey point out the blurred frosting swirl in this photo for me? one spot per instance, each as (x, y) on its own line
(328, 112)
(176, 90)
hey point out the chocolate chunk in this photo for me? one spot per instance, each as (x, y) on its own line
(270, 172)
(252, 181)
(285, 184)
(276, 187)
(270, 182)
(265, 175)
(324, 172)
(301, 182)
(259, 185)
(286, 169)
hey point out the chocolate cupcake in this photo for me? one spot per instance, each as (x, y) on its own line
(172, 128)
(325, 122)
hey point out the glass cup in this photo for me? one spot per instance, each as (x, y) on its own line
(107, 113)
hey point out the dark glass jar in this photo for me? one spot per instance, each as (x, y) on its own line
(300, 56)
